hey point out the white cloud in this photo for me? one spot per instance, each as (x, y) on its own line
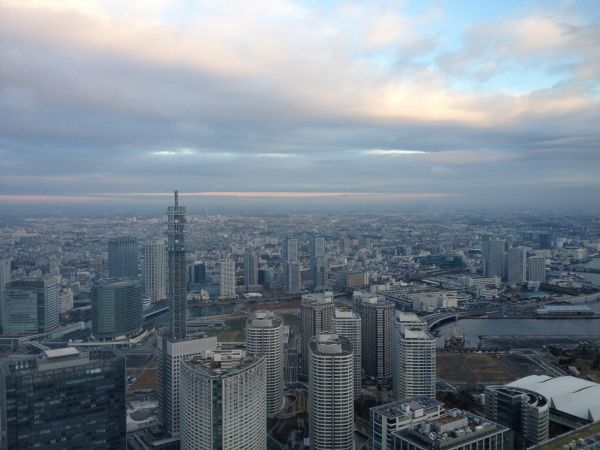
(379, 152)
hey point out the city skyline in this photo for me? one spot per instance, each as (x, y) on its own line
(450, 104)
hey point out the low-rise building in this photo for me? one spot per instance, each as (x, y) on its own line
(398, 415)
(455, 429)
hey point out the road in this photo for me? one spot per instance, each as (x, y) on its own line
(292, 356)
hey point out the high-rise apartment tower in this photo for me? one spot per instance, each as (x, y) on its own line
(316, 314)
(264, 336)
(331, 392)
(154, 269)
(223, 401)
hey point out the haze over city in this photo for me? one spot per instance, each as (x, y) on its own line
(461, 104)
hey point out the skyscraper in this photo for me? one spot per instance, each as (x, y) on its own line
(123, 257)
(63, 399)
(154, 269)
(377, 316)
(316, 314)
(348, 324)
(31, 305)
(226, 278)
(264, 336)
(292, 282)
(170, 355)
(331, 392)
(174, 349)
(516, 265)
(318, 264)
(5, 273)
(289, 249)
(250, 268)
(176, 289)
(536, 268)
(493, 257)
(116, 309)
(223, 401)
(414, 357)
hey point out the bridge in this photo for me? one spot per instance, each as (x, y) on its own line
(434, 320)
(585, 269)
(156, 312)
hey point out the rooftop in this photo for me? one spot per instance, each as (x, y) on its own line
(408, 407)
(329, 344)
(450, 430)
(408, 317)
(61, 352)
(574, 396)
(264, 319)
(345, 314)
(222, 363)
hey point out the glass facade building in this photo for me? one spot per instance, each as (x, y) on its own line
(63, 399)
(31, 305)
(116, 309)
(123, 257)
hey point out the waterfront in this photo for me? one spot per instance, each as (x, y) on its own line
(471, 329)
(593, 278)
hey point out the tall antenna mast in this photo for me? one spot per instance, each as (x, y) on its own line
(176, 279)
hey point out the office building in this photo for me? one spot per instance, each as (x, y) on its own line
(170, 355)
(526, 413)
(154, 270)
(546, 241)
(250, 268)
(5, 273)
(65, 300)
(292, 281)
(432, 301)
(414, 357)
(493, 258)
(318, 264)
(31, 305)
(123, 257)
(398, 415)
(377, 317)
(536, 268)
(331, 392)
(223, 402)
(197, 273)
(264, 336)
(316, 312)
(176, 286)
(63, 399)
(348, 324)
(516, 265)
(116, 309)
(226, 278)
(455, 429)
(289, 249)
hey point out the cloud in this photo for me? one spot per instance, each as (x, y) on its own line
(232, 96)
(379, 152)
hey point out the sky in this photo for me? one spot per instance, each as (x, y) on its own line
(461, 103)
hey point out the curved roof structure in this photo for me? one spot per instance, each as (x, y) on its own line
(571, 395)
